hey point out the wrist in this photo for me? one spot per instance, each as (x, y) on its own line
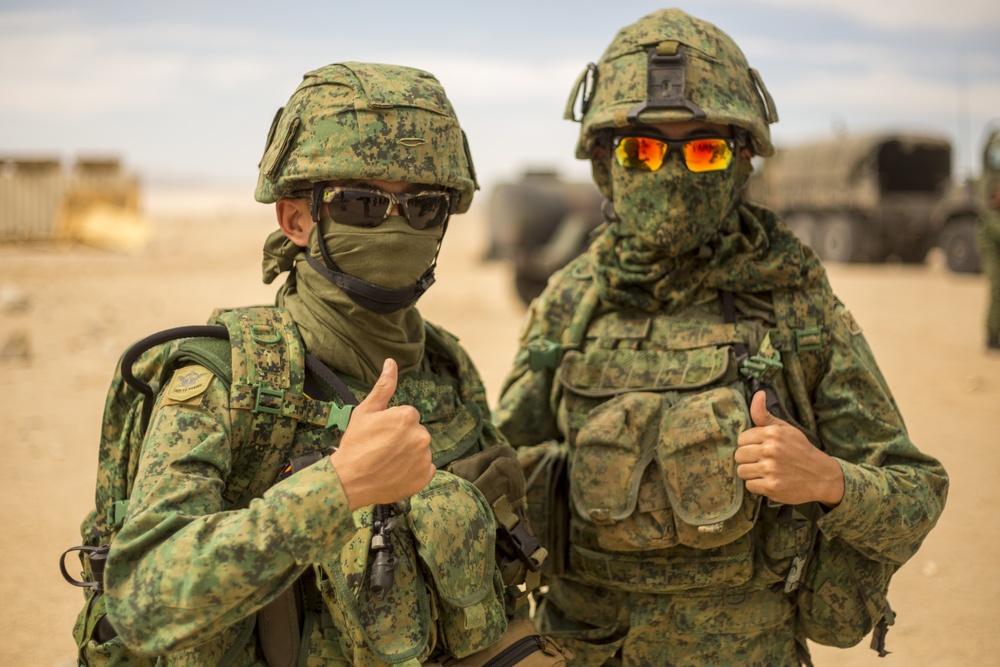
(833, 489)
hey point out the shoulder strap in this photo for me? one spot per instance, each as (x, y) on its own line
(553, 339)
(268, 363)
(801, 325)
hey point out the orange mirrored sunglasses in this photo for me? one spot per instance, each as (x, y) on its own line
(648, 153)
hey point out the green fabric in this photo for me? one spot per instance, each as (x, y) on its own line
(672, 210)
(756, 252)
(348, 338)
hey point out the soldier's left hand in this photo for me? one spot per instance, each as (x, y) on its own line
(776, 460)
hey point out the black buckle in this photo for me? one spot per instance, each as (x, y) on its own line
(524, 544)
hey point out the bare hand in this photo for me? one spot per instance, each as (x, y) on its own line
(384, 454)
(777, 461)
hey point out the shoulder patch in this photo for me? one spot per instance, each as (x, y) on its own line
(849, 322)
(189, 382)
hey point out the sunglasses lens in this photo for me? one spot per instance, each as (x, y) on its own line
(358, 208)
(640, 153)
(427, 210)
(702, 155)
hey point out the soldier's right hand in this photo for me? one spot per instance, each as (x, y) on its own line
(384, 454)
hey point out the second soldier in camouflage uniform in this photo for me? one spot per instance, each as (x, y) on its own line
(365, 163)
(713, 455)
(989, 234)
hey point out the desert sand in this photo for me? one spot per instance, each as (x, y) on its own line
(69, 311)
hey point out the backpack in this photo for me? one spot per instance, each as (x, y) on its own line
(258, 353)
(840, 594)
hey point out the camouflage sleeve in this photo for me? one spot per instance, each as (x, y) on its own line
(893, 493)
(524, 413)
(183, 568)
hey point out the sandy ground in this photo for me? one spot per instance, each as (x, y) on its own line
(84, 306)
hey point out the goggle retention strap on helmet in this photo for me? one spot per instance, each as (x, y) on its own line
(583, 89)
(665, 75)
(770, 111)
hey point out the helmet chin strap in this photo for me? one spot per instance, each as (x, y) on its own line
(378, 299)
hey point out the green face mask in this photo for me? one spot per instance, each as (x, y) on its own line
(384, 268)
(673, 209)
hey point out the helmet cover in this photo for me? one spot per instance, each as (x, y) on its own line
(366, 121)
(698, 71)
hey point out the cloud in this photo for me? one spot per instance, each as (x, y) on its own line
(55, 65)
(940, 16)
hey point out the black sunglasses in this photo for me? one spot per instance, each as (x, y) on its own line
(369, 207)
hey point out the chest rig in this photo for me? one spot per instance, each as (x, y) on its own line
(437, 549)
(651, 406)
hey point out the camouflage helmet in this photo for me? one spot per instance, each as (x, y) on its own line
(666, 67)
(366, 121)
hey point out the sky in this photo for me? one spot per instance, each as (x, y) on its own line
(184, 92)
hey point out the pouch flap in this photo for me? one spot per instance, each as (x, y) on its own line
(456, 536)
(612, 451)
(388, 639)
(600, 373)
(696, 447)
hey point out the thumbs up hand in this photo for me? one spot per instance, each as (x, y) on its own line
(777, 461)
(384, 454)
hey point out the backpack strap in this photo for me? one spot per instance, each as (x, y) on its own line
(267, 398)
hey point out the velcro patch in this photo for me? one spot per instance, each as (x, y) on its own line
(189, 382)
(851, 323)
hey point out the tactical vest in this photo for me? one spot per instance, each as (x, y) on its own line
(446, 581)
(651, 406)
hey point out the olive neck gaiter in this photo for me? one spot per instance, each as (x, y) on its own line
(349, 338)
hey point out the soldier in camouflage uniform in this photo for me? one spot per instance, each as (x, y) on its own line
(365, 163)
(697, 414)
(989, 234)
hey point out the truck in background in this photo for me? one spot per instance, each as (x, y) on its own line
(862, 198)
(538, 223)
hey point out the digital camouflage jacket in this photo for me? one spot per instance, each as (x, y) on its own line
(657, 552)
(187, 573)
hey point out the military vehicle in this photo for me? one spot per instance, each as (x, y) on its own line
(94, 201)
(956, 219)
(539, 223)
(860, 198)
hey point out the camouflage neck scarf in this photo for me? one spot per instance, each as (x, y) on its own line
(754, 252)
(349, 339)
(673, 210)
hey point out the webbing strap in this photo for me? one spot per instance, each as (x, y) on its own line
(545, 352)
(267, 354)
(289, 404)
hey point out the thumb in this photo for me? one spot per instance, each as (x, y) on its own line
(380, 395)
(758, 410)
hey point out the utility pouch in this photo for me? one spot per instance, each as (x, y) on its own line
(371, 623)
(652, 467)
(455, 535)
(96, 648)
(496, 472)
(696, 452)
(658, 507)
(843, 595)
(521, 646)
